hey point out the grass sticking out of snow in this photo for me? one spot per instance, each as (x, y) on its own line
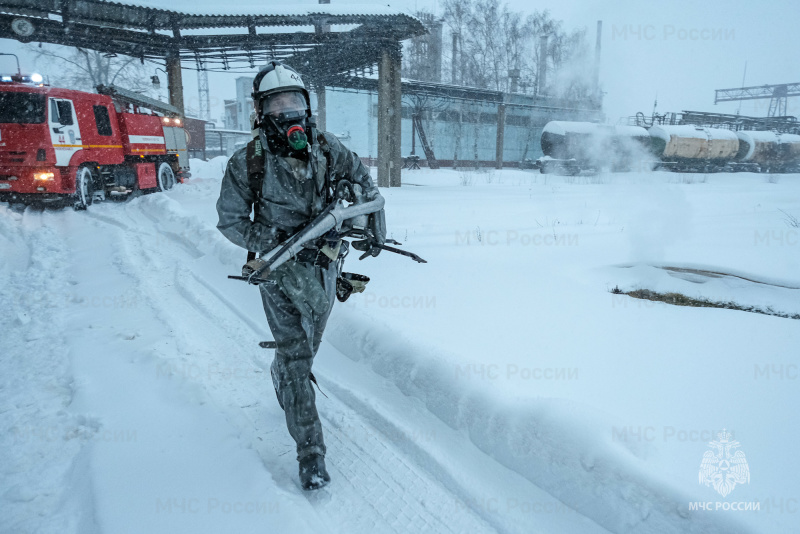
(679, 299)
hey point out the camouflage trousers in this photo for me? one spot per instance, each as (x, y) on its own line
(298, 337)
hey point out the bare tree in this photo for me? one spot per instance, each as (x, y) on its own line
(83, 69)
(495, 41)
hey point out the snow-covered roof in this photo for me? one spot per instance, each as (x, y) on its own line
(205, 34)
(245, 9)
(186, 14)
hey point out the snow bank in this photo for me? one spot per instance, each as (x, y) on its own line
(212, 169)
(560, 446)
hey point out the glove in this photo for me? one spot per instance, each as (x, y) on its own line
(252, 266)
(376, 226)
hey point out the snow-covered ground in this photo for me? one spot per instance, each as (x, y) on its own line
(501, 387)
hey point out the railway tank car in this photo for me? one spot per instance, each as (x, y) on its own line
(789, 153)
(688, 148)
(772, 152)
(570, 147)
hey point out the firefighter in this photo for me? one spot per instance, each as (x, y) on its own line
(286, 175)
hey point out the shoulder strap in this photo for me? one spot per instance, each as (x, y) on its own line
(255, 177)
(326, 151)
(323, 143)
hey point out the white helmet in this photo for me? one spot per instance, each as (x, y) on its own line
(277, 78)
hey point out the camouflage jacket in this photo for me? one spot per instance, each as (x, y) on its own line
(287, 202)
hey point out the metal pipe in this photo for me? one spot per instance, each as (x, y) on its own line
(19, 72)
(597, 55)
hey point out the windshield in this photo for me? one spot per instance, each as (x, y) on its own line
(21, 108)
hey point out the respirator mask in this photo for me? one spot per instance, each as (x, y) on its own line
(284, 116)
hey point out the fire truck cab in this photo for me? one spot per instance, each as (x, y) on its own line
(61, 145)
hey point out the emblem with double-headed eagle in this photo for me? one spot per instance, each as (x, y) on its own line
(722, 468)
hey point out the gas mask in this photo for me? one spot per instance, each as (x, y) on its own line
(284, 117)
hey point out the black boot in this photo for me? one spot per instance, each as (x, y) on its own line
(313, 474)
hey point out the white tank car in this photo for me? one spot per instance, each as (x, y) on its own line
(757, 147)
(688, 142)
(572, 146)
(773, 152)
(789, 148)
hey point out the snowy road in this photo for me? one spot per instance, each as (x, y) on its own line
(135, 399)
(179, 428)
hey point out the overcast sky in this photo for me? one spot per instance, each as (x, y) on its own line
(684, 49)
(680, 50)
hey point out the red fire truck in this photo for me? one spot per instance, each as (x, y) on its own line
(59, 145)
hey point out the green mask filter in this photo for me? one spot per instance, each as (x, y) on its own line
(297, 137)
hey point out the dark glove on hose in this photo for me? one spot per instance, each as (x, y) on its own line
(376, 227)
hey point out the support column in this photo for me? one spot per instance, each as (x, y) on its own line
(175, 81)
(501, 131)
(389, 116)
(322, 119)
(321, 108)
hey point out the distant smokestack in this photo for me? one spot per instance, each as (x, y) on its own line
(455, 55)
(435, 50)
(597, 55)
(542, 64)
(513, 75)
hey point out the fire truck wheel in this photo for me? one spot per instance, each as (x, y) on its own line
(84, 188)
(166, 178)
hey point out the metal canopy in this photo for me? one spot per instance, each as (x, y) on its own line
(322, 42)
(152, 33)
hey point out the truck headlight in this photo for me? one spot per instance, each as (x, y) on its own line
(44, 176)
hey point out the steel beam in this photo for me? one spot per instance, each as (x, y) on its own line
(755, 92)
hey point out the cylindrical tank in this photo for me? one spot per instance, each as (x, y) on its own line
(693, 142)
(633, 141)
(590, 142)
(789, 148)
(757, 147)
(573, 140)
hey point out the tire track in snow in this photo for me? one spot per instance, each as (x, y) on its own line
(44, 445)
(393, 488)
(375, 485)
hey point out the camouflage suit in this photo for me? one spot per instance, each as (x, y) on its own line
(291, 196)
